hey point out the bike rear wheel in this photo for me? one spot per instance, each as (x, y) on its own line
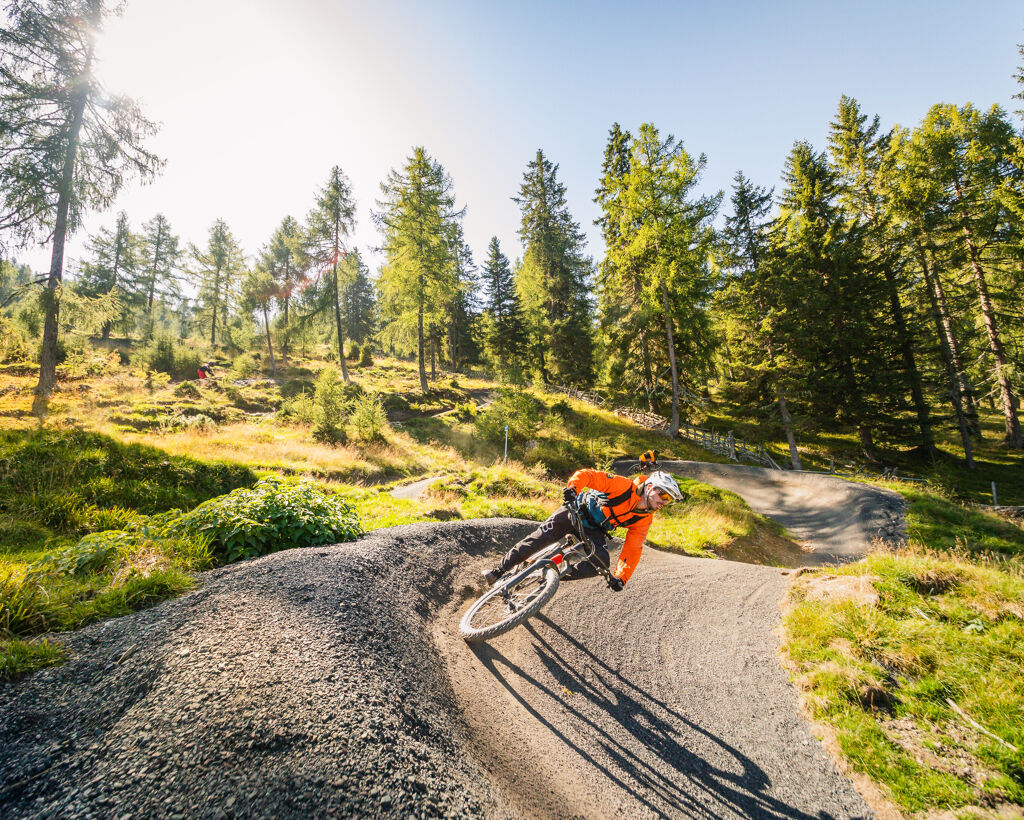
(507, 605)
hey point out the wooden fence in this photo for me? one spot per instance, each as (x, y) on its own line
(725, 444)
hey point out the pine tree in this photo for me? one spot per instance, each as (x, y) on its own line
(505, 329)
(113, 269)
(220, 266)
(358, 300)
(66, 145)
(418, 220)
(328, 224)
(554, 281)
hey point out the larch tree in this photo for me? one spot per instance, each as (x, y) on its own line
(66, 144)
(554, 280)
(417, 218)
(664, 236)
(967, 153)
(218, 267)
(160, 255)
(259, 289)
(113, 269)
(867, 168)
(327, 228)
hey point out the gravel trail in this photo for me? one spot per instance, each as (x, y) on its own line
(331, 681)
(836, 519)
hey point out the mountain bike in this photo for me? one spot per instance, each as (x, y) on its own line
(521, 592)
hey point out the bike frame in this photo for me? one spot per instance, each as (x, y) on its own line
(565, 549)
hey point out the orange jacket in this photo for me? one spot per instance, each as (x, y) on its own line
(624, 495)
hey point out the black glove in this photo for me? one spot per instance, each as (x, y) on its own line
(569, 495)
(616, 584)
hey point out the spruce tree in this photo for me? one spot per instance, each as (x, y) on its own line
(554, 281)
(505, 321)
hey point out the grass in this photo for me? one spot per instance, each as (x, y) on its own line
(947, 627)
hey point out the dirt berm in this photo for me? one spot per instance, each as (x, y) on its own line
(331, 681)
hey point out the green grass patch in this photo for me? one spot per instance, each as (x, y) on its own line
(19, 658)
(947, 628)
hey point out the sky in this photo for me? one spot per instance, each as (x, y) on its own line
(259, 99)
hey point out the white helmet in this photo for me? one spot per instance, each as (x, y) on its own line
(664, 484)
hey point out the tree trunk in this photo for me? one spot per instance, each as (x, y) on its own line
(949, 353)
(787, 425)
(48, 349)
(270, 346)
(216, 301)
(337, 321)
(909, 364)
(674, 426)
(1012, 423)
(645, 358)
(419, 347)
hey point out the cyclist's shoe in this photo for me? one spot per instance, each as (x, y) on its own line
(490, 576)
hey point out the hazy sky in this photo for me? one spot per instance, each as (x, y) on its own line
(258, 99)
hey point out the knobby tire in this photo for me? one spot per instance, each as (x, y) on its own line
(548, 584)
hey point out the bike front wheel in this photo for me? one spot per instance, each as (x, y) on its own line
(507, 605)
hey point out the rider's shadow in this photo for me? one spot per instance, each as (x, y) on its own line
(684, 783)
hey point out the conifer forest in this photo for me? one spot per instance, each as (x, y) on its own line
(874, 289)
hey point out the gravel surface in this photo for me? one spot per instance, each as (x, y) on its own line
(299, 684)
(331, 681)
(837, 519)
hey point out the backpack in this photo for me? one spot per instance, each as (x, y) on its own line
(590, 504)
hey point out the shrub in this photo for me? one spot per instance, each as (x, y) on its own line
(177, 361)
(330, 408)
(464, 411)
(561, 408)
(245, 366)
(276, 514)
(300, 408)
(369, 421)
(187, 390)
(516, 408)
(366, 356)
(296, 387)
(354, 351)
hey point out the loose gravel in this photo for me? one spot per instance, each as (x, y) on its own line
(331, 681)
(300, 684)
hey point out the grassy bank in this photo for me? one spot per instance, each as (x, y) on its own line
(912, 660)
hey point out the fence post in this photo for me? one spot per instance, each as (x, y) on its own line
(995, 498)
(506, 445)
(732, 446)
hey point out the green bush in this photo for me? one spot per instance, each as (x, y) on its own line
(187, 390)
(276, 514)
(354, 352)
(369, 421)
(330, 408)
(515, 408)
(245, 366)
(366, 356)
(177, 361)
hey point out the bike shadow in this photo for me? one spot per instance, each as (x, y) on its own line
(650, 762)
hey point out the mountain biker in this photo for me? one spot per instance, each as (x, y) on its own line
(605, 502)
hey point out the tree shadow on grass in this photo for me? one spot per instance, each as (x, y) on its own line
(651, 764)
